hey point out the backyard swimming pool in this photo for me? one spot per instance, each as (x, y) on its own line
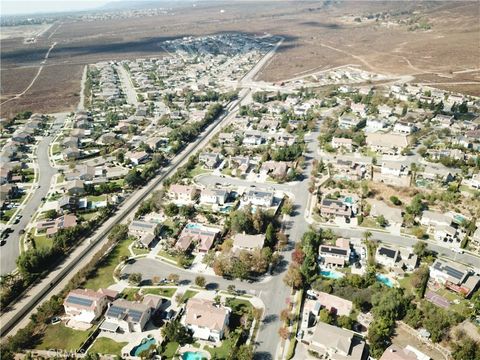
(144, 345)
(190, 355)
(330, 274)
(385, 280)
(193, 226)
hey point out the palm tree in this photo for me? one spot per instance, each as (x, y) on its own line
(367, 235)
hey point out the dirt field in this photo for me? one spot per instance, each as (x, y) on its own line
(403, 338)
(316, 36)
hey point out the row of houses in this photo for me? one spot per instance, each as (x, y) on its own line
(205, 319)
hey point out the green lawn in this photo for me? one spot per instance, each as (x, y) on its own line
(103, 276)
(188, 295)
(7, 215)
(140, 251)
(407, 285)
(61, 337)
(42, 242)
(90, 215)
(166, 292)
(170, 350)
(129, 293)
(197, 170)
(223, 351)
(96, 198)
(166, 255)
(56, 149)
(107, 346)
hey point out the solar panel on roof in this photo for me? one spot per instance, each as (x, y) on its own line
(453, 272)
(79, 301)
(135, 315)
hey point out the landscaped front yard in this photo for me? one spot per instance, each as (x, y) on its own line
(61, 337)
(107, 346)
(166, 292)
(104, 272)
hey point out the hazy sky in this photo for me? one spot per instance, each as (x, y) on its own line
(9, 7)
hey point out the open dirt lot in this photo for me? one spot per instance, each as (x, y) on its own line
(316, 36)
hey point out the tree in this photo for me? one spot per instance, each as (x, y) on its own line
(382, 221)
(200, 281)
(395, 200)
(379, 333)
(420, 249)
(293, 277)
(345, 322)
(287, 207)
(231, 289)
(133, 178)
(173, 278)
(244, 352)
(326, 316)
(466, 348)
(171, 209)
(283, 333)
(174, 331)
(270, 237)
(367, 235)
(135, 278)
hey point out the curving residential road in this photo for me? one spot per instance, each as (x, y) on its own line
(11, 250)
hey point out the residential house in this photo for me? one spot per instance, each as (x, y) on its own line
(336, 343)
(145, 231)
(248, 242)
(348, 122)
(337, 255)
(393, 168)
(260, 198)
(389, 144)
(285, 139)
(137, 157)
(253, 138)
(71, 154)
(387, 256)
(437, 173)
(182, 192)
(226, 138)
(343, 143)
(206, 320)
(375, 124)
(277, 169)
(213, 196)
(51, 227)
(240, 163)
(84, 305)
(445, 121)
(392, 215)
(75, 187)
(128, 316)
(434, 219)
(202, 235)
(334, 304)
(454, 276)
(209, 160)
(70, 142)
(9, 191)
(329, 207)
(404, 128)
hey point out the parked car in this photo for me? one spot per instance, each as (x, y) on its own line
(55, 320)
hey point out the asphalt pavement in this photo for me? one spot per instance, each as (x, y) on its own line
(11, 250)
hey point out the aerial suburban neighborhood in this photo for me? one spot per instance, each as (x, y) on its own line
(187, 210)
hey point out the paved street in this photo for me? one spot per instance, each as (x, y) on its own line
(11, 249)
(130, 92)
